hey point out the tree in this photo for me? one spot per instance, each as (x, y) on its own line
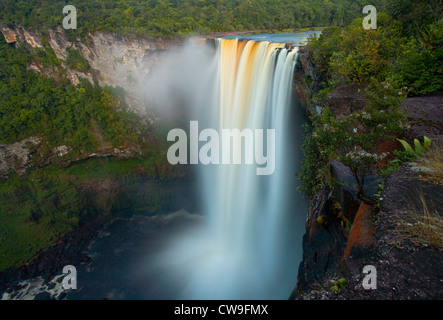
(354, 139)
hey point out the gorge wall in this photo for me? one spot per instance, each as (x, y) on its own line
(344, 234)
(114, 60)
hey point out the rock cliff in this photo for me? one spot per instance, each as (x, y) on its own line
(344, 234)
(114, 60)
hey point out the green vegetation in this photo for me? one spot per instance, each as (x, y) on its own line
(81, 119)
(392, 62)
(356, 55)
(159, 18)
(418, 150)
(35, 213)
(353, 139)
(38, 209)
(76, 61)
(339, 284)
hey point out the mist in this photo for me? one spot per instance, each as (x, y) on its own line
(245, 245)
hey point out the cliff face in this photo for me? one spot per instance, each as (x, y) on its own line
(17, 156)
(119, 61)
(405, 268)
(306, 80)
(344, 234)
(114, 61)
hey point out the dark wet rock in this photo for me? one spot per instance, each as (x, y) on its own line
(347, 99)
(425, 116)
(67, 246)
(307, 79)
(405, 270)
(43, 296)
(346, 191)
(323, 244)
(41, 266)
(62, 296)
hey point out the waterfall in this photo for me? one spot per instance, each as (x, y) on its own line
(246, 247)
(255, 84)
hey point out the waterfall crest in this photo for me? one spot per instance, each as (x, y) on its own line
(241, 251)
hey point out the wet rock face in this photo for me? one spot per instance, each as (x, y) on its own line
(323, 245)
(307, 79)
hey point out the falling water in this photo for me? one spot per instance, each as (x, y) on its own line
(245, 243)
(241, 252)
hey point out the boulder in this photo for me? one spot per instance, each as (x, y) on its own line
(346, 191)
(362, 231)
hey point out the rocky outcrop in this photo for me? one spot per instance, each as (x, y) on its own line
(18, 36)
(345, 192)
(406, 269)
(122, 61)
(344, 233)
(16, 157)
(20, 156)
(9, 34)
(425, 117)
(115, 60)
(362, 232)
(32, 39)
(307, 79)
(323, 245)
(347, 99)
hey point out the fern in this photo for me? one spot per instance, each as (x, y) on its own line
(418, 150)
